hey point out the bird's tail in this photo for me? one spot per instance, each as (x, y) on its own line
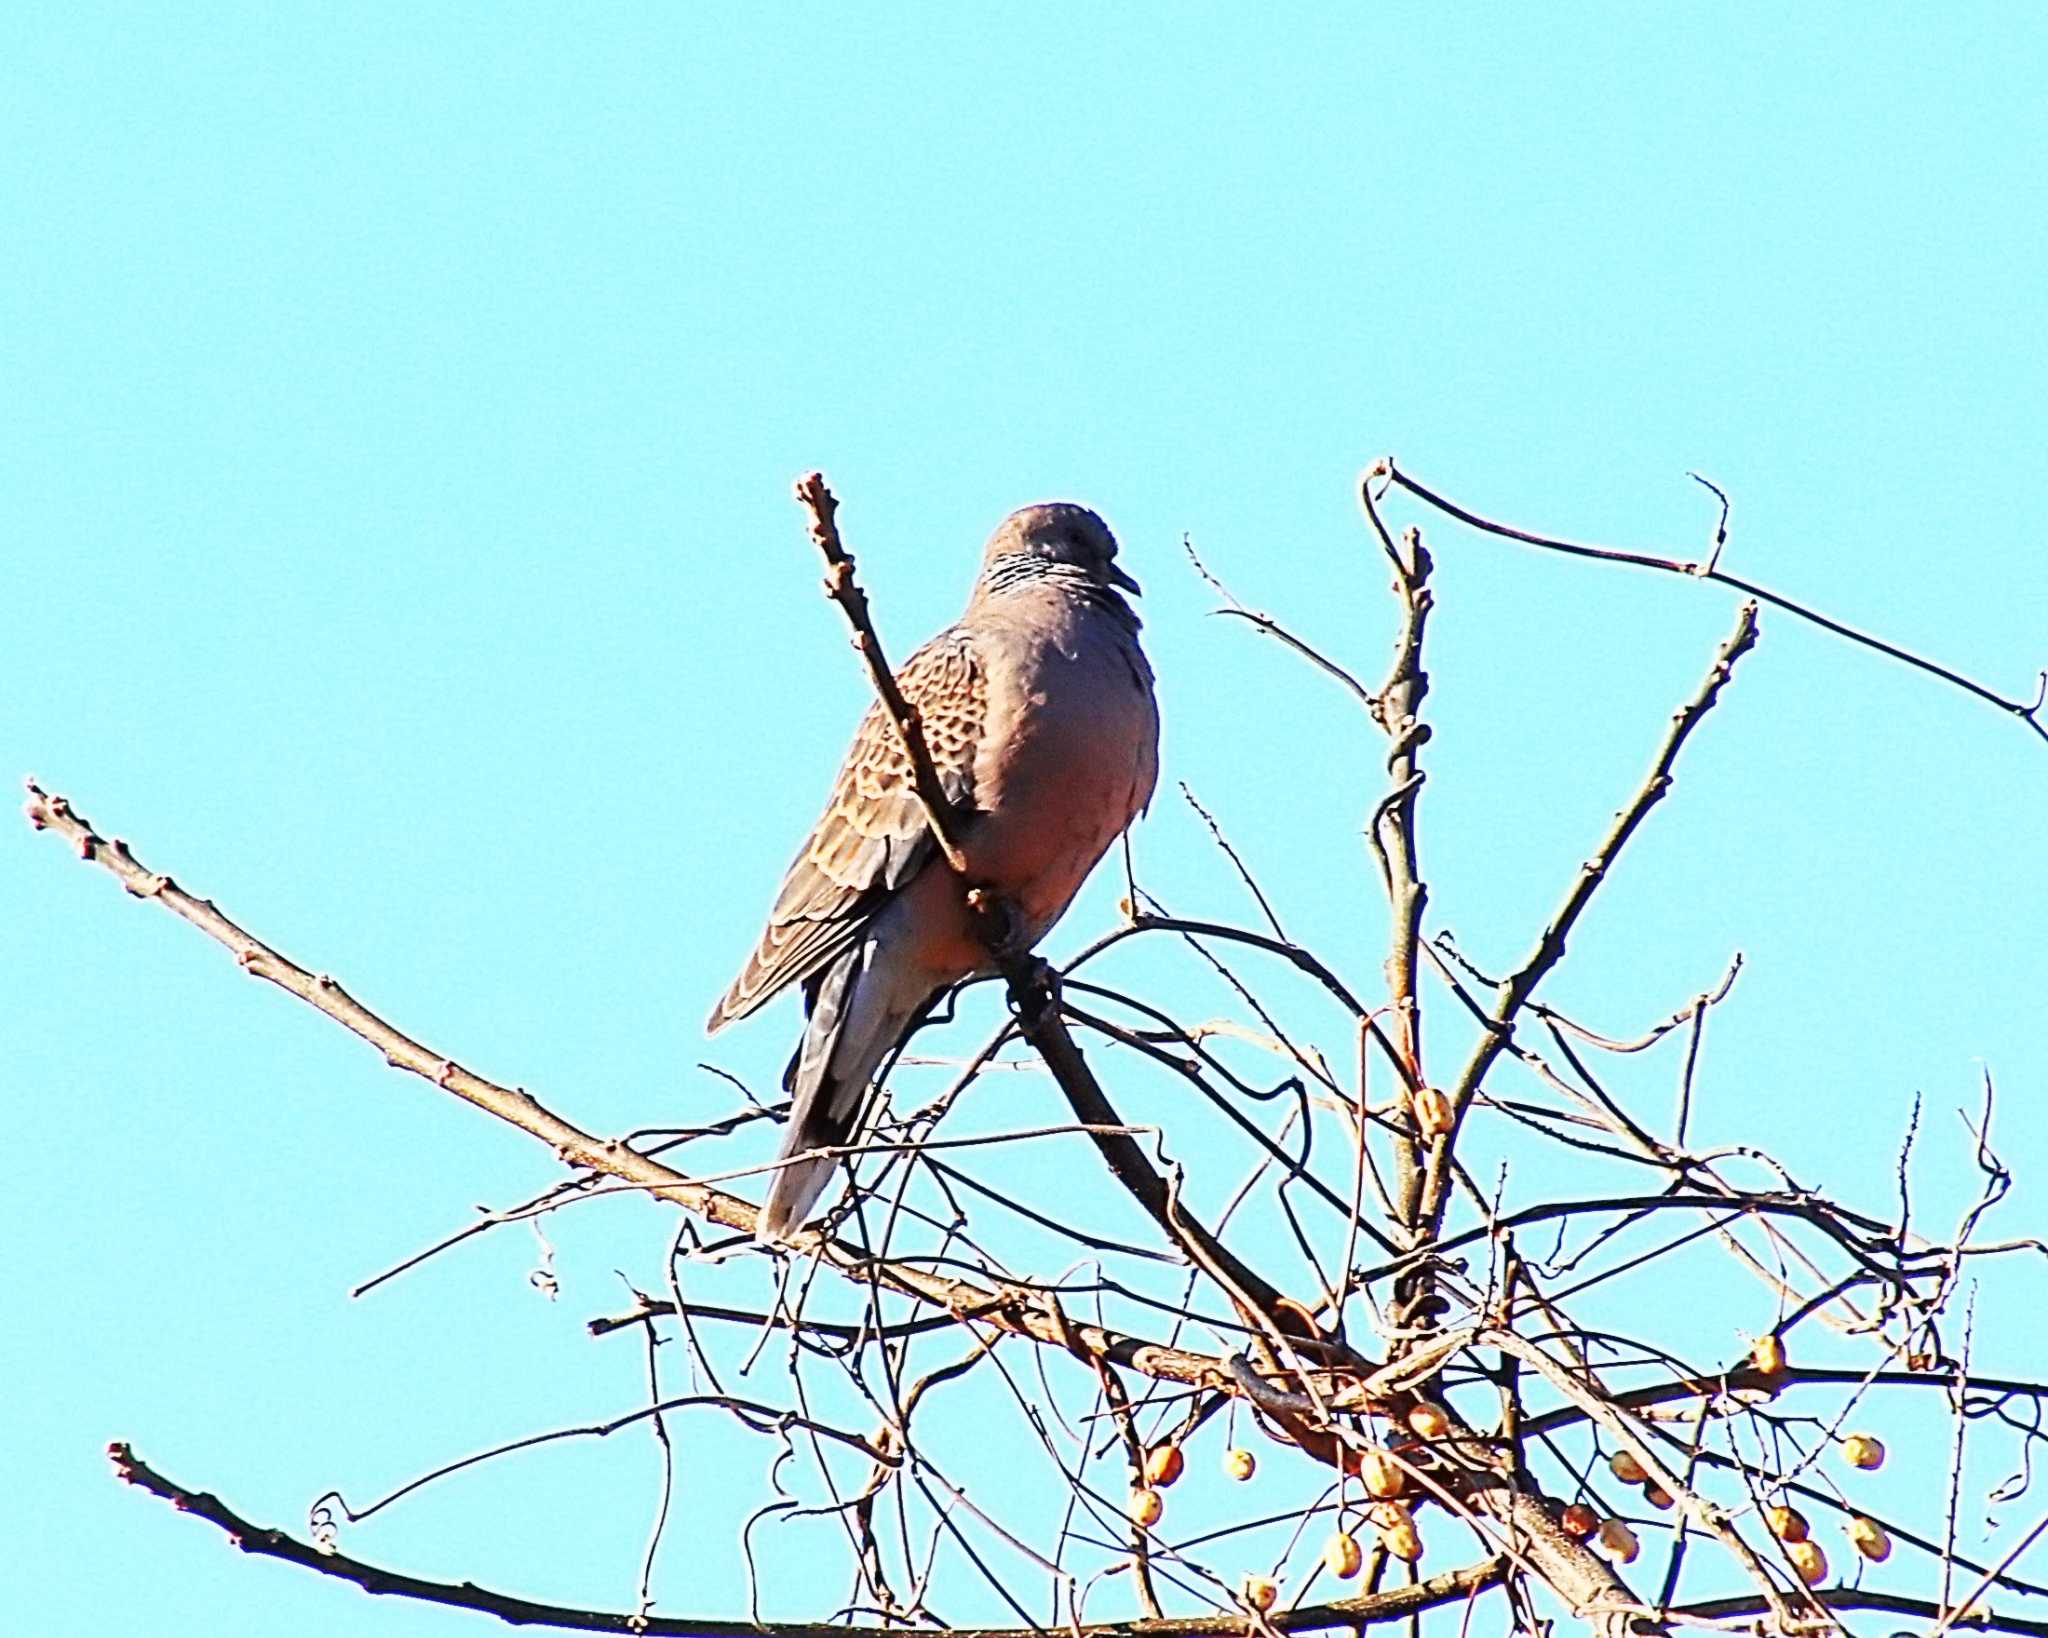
(851, 1023)
(795, 1190)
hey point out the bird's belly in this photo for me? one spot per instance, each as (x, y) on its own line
(1037, 850)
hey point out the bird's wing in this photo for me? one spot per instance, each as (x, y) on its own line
(872, 837)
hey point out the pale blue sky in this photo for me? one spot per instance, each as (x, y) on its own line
(398, 407)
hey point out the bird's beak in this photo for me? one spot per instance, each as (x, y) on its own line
(1117, 577)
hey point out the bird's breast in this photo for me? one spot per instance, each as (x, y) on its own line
(1079, 766)
(1067, 758)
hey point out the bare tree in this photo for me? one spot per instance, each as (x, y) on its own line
(1444, 1370)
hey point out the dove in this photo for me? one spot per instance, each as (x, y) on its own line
(1038, 710)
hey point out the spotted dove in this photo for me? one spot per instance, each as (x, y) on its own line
(1037, 707)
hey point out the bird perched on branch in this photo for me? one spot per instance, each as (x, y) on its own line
(1037, 709)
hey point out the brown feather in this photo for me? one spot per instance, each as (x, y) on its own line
(872, 836)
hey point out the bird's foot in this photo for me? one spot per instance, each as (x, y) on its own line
(998, 924)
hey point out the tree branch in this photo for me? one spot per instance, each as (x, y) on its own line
(1014, 1310)
(265, 1542)
(1397, 709)
(841, 586)
(1550, 947)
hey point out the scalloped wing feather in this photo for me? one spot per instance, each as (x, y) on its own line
(872, 837)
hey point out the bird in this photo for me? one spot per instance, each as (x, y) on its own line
(1038, 710)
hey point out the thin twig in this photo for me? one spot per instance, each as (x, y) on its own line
(2029, 714)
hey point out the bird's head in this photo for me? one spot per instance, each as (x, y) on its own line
(1055, 541)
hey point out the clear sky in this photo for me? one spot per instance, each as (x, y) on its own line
(398, 408)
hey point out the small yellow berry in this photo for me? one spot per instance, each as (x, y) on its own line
(1341, 1556)
(1396, 1526)
(1239, 1463)
(1404, 1541)
(1808, 1560)
(1260, 1591)
(1146, 1505)
(1429, 1419)
(1432, 1112)
(1626, 1468)
(1162, 1465)
(1767, 1354)
(1870, 1539)
(1381, 1474)
(1786, 1523)
(1861, 1450)
(1619, 1540)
